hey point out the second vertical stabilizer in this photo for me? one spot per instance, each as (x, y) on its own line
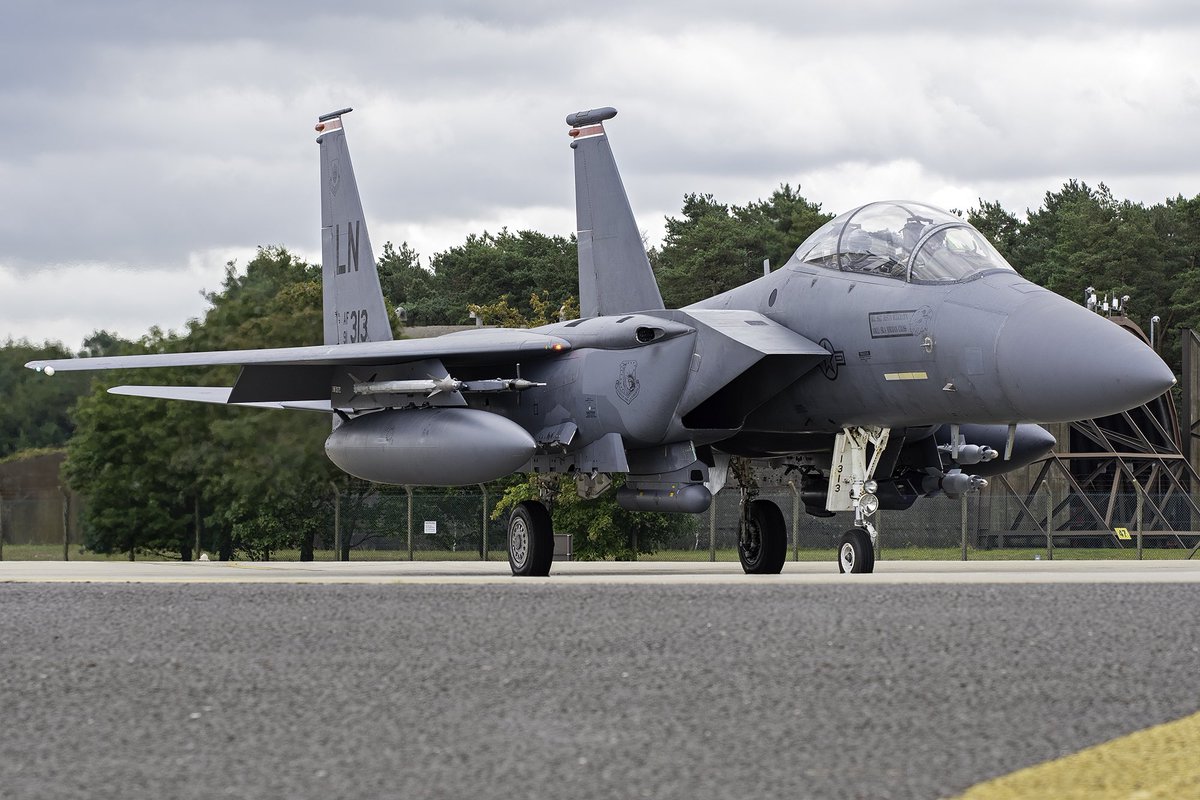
(352, 300)
(614, 273)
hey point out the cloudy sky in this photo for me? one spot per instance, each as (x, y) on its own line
(147, 143)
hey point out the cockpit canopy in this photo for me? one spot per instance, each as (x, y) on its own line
(908, 241)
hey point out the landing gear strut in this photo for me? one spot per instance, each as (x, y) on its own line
(530, 539)
(851, 488)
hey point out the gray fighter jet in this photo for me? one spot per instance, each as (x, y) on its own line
(895, 355)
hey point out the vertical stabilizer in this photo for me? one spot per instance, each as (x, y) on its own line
(614, 273)
(353, 302)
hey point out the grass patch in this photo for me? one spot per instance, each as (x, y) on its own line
(54, 552)
(941, 554)
(393, 555)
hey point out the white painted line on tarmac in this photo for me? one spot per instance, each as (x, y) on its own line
(598, 572)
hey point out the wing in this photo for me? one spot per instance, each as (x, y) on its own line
(305, 377)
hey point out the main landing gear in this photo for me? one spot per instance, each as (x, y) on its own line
(530, 539)
(762, 533)
(762, 538)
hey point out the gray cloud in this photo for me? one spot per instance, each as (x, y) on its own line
(151, 136)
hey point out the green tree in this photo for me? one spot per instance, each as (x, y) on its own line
(264, 473)
(488, 267)
(713, 248)
(781, 222)
(35, 409)
(601, 528)
(1083, 237)
(260, 478)
(505, 315)
(122, 458)
(1176, 223)
(1001, 227)
(406, 284)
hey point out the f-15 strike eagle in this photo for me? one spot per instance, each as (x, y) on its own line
(895, 355)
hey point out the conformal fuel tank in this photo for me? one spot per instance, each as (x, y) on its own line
(430, 447)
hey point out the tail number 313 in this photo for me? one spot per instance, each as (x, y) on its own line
(355, 326)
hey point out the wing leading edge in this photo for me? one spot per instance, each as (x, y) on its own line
(491, 343)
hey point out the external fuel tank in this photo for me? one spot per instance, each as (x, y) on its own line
(430, 446)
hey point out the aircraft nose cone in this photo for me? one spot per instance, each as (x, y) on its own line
(1060, 362)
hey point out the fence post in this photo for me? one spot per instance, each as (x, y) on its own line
(879, 536)
(1, 527)
(963, 503)
(712, 528)
(66, 524)
(484, 551)
(408, 490)
(1049, 522)
(337, 522)
(795, 521)
(196, 526)
(1139, 519)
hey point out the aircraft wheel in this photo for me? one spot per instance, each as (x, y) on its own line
(530, 539)
(855, 553)
(762, 541)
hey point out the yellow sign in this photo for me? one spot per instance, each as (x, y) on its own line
(1122, 534)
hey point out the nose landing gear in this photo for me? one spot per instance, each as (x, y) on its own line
(856, 553)
(851, 488)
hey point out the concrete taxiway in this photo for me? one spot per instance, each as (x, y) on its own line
(584, 572)
(492, 687)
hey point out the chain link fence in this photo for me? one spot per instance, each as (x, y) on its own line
(390, 522)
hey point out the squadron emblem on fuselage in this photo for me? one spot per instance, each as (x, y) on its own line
(628, 384)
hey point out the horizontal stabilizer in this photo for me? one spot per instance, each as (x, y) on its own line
(218, 395)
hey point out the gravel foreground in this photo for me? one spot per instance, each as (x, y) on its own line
(551, 691)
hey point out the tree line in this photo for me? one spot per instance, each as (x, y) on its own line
(254, 481)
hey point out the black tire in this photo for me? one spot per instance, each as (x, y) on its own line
(855, 553)
(762, 540)
(530, 540)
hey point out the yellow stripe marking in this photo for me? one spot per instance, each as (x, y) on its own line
(905, 376)
(1159, 763)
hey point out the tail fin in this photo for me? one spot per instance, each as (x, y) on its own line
(614, 273)
(353, 302)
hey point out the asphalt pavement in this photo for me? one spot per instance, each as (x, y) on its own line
(552, 690)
